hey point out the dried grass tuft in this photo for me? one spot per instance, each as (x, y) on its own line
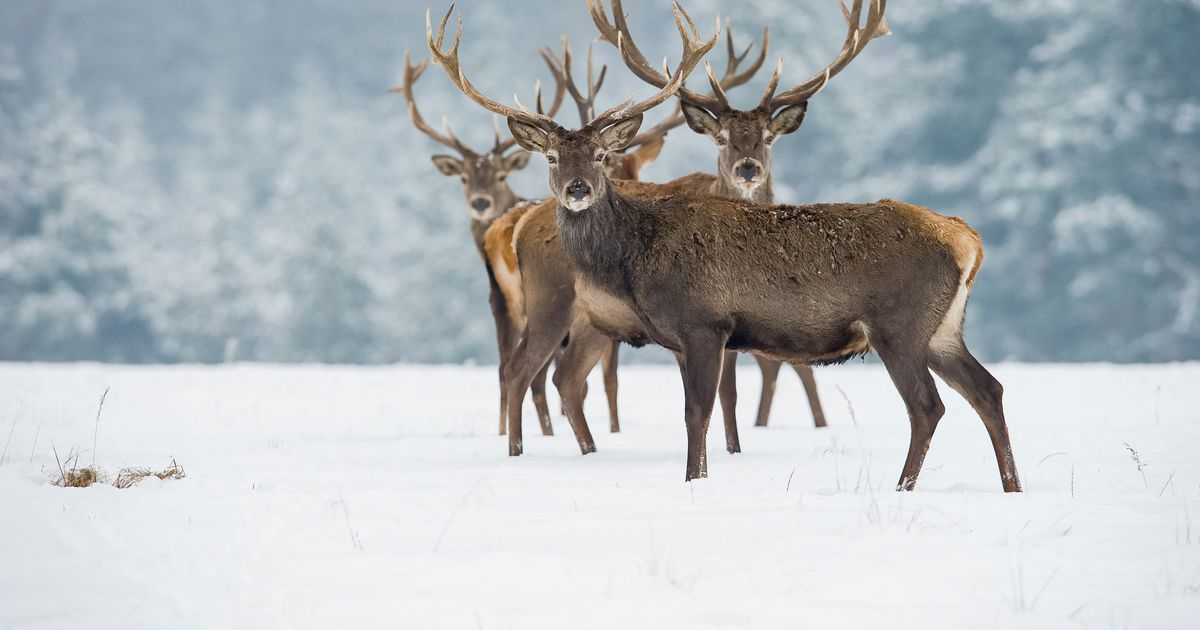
(71, 476)
(129, 477)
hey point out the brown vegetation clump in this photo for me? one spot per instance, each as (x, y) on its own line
(71, 476)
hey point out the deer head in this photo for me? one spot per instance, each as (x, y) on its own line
(576, 157)
(627, 162)
(743, 137)
(484, 175)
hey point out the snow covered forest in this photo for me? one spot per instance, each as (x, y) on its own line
(212, 181)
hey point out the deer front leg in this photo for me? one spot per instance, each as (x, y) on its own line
(505, 335)
(727, 390)
(608, 364)
(810, 389)
(582, 352)
(538, 389)
(700, 361)
(770, 376)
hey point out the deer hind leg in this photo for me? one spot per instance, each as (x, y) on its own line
(962, 372)
(727, 390)
(700, 362)
(570, 377)
(538, 390)
(810, 390)
(608, 365)
(909, 369)
(770, 376)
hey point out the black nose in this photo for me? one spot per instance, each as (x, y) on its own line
(481, 203)
(579, 189)
(747, 170)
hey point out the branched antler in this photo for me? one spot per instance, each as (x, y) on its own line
(857, 39)
(694, 51)
(411, 74)
(616, 32)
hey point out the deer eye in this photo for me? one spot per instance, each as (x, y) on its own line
(769, 140)
(501, 177)
(551, 159)
(721, 141)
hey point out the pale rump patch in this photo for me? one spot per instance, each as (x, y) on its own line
(948, 336)
(498, 243)
(967, 248)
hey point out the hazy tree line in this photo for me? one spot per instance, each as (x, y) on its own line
(215, 181)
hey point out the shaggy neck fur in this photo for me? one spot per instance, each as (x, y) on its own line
(606, 240)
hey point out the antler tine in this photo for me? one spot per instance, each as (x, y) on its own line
(717, 91)
(672, 121)
(560, 89)
(732, 78)
(564, 68)
(694, 50)
(857, 39)
(449, 61)
(411, 74)
(617, 33)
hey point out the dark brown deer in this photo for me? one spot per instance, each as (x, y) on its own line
(624, 164)
(545, 264)
(484, 177)
(801, 283)
(744, 140)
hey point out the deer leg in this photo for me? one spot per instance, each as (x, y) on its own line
(504, 336)
(910, 374)
(727, 390)
(581, 355)
(700, 362)
(770, 376)
(528, 358)
(962, 372)
(608, 364)
(810, 389)
(538, 390)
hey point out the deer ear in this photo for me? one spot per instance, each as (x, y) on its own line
(448, 165)
(788, 120)
(516, 161)
(618, 136)
(647, 153)
(699, 119)
(530, 137)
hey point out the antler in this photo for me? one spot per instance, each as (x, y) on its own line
(693, 51)
(449, 61)
(617, 33)
(411, 74)
(856, 40)
(586, 104)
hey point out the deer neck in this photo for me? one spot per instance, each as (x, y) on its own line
(605, 240)
(764, 195)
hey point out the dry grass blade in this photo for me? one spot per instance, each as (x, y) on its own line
(129, 477)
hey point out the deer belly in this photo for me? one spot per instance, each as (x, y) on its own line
(801, 344)
(609, 314)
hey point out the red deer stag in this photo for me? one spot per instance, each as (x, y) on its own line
(800, 283)
(484, 178)
(744, 140)
(544, 263)
(500, 250)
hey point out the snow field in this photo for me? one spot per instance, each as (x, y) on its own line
(322, 497)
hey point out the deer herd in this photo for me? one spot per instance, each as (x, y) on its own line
(707, 265)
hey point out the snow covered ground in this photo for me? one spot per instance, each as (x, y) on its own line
(339, 497)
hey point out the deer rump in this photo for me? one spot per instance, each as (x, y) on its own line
(798, 283)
